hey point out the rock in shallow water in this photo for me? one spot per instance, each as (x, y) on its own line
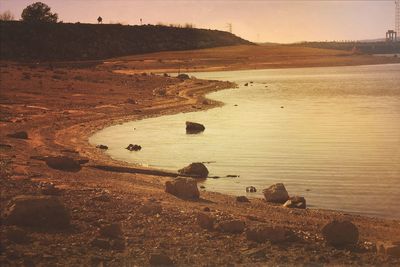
(194, 127)
(196, 169)
(276, 193)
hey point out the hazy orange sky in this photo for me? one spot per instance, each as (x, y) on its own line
(260, 21)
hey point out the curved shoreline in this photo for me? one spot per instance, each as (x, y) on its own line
(61, 108)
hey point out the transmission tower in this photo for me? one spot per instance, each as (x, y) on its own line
(397, 28)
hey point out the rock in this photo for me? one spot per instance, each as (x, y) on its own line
(276, 193)
(296, 202)
(194, 127)
(19, 135)
(264, 233)
(132, 147)
(102, 147)
(251, 189)
(112, 231)
(63, 164)
(102, 243)
(389, 248)
(207, 209)
(231, 226)
(17, 235)
(242, 199)
(151, 208)
(246, 84)
(205, 221)
(196, 169)
(160, 259)
(183, 76)
(103, 197)
(340, 233)
(185, 188)
(49, 189)
(37, 211)
(131, 101)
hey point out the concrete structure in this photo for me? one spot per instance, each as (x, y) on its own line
(391, 36)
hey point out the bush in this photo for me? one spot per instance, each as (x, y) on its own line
(38, 12)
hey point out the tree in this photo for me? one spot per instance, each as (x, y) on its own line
(38, 12)
(99, 20)
(6, 16)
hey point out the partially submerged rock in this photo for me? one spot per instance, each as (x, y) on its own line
(388, 248)
(251, 189)
(340, 233)
(276, 193)
(183, 76)
(296, 202)
(264, 233)
(196, 169)
(181, 187)
(63, 163)
(104, 147)
(194, 127)
(231, 226)
(132, 147)
(37, 211)
(19, 135)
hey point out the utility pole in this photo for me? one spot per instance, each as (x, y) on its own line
(397, 27)
(229, 27)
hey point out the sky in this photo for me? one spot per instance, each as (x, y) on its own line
(282, 21)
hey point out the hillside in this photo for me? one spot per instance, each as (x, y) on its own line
(66, 41)
(367, 47)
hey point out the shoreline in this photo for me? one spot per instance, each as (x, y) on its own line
(79, 102)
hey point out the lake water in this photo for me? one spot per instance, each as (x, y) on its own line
(330, 134)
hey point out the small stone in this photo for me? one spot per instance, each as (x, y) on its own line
(160, 259)
(19, 135)
(340, 233)
(104, 147)
(264, 233)
(242, 199)
(151, 208)
(207, 209)
(231, 226)
(111, 231)
(63, 164)
(101, 243)
(205, 221)
(389, 248)
(296, 202)
(251, 189)
(17, 235)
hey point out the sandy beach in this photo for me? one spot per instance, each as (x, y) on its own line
(60, 105)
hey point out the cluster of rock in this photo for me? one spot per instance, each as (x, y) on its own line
(132, 147)
(277, 193)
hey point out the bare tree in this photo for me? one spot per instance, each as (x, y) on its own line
(6, 16)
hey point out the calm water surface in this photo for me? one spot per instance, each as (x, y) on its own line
(329, 134)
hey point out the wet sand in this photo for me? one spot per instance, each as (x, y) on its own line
(61, 107)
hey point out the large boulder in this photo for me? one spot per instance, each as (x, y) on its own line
(264, 233)
(340, 233)
(197, 169)
(194, 127)
(181, 187)
(37, 211)
(276, 193)
(296, 202)
(63, 164)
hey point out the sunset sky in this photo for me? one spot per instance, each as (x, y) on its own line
(257, 20)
